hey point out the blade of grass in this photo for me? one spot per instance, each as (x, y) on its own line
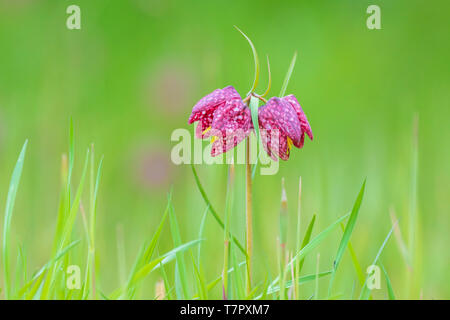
(163, 260)
(288, 75)
(283, 222)
(319, 238)
(297, 242)
(38, 277)
(228, 209)
(169, 292)
(67, 230)
(388, 283)
(365, 292)
(146, 253)
(238, 282)
(200, 233)
(349, 227)
(254, 105)
(305, 241)
(213, 212)
(21, 269)
(66, 233)
(203, 292)
(316, 290)
(399, 238)
(301, 280)
(269, 83)
(255, 59)
(314, 242)
(93, 218)
(71, 153)
(180, 263)
(356, 264)
(10, 201)
(347, 234)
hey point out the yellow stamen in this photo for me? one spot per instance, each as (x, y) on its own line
(289, 143)
(206, 130)
(214, 138)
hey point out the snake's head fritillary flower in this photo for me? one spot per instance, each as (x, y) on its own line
(282, 123)
(204, 110)
(222, 115)
(304, 124)
(232, 123)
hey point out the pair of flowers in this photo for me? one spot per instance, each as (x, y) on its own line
(224, 116)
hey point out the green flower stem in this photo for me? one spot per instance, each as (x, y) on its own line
(248, 215)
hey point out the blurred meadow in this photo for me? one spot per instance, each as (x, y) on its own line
(377, 102)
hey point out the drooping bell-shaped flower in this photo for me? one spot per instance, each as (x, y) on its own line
(304, 124)
(224, 116)
(204, 110)
(282, 124)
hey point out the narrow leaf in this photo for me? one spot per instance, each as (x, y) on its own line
(213, 212)
(388, 283)
(10, 201)
(288, 76)
(365, 292)
(255, 59)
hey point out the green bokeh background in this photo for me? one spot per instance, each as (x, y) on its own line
(131, 75)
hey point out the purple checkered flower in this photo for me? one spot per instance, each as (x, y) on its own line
(224, 116)
(282, 124)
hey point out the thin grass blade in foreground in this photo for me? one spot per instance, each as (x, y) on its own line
(302, 280)
(182, 289)
(312, 244)
(283, 221)
(55, 275)
(94, 185)
(213, 212)
(297, 242)
(145, 254)
(347, 234)
(200, 233)
(288, 75)
(399, 238)
(365, 292)
(238, 283)
(305, 241)
(200, 280)
(36, 280)
(228, 209)
(316, 290)
(349, 228)
(356, 264)
(12, 192)
(388, 283)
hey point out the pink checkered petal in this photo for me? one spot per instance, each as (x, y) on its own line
(232, 116)
(275, 143)
(305, 127)
(266, 141)
(223, 143)
(212, 101)
(279, 114)
(204, 110)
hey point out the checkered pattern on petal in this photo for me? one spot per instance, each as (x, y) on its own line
(275, 144)
(278, 115)
(304, 124)
(204, 110)
(233, 123)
